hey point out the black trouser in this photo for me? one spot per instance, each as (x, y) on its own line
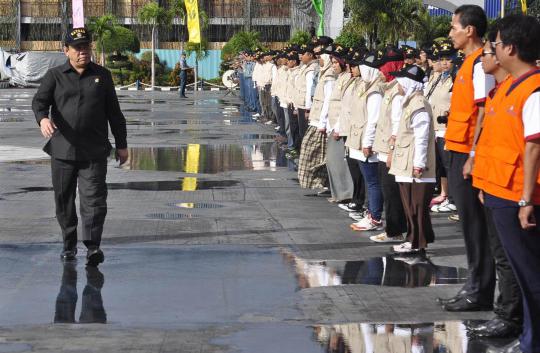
(396, 223)
(183, 82)
(302, 124)
(90, 177)
(359, 193)
(480, 285)
(508, 304)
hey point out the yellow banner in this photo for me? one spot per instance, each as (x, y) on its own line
(192, 9)
(524, 6)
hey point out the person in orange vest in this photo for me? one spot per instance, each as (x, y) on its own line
(508, 311)
(508, 165)
(471, 86)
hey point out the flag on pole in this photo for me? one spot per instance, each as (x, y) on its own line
(524, 6)
(318, 5)
(78, 13)
(192, 9)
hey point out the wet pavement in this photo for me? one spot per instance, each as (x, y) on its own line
(210, 246)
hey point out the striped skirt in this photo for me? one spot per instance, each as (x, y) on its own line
(312, 161)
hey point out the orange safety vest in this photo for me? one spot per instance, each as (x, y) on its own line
(463, 109)
(500, 154)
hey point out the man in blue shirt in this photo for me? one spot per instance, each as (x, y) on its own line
(183, 75)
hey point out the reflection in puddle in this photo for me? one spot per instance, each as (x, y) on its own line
(171, 216)
(196, 205)
(10, 120)
(447, 337)
(209, 159)
(168, 122)
(380, 271)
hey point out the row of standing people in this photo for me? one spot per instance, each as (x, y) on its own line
(376, 121)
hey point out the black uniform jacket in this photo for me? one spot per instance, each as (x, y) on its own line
(81, 107)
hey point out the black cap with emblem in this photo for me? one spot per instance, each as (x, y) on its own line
(373, 59)
(77, 36)
(413, 72)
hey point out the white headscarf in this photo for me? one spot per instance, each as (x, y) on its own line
(369, 74)
(327, 65)
(409, 86)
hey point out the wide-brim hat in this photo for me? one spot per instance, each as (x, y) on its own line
(413, 72)
(373, 59)
(446, 49)
(392, 54)
(306, 48)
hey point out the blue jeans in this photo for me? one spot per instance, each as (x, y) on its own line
(241, 84)
(370, 172)
(183, 81)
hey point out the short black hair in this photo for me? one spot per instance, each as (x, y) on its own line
(472, 15)
(522, 32)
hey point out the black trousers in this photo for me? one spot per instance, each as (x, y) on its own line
(302, 124)
(508, 304)
(396, 223)
(523, 250)
(359, 193)
(90, 177)
(480, 285)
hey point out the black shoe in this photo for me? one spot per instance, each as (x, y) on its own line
(94, 257)
(183, 97)
(458, 296)
(496, 328)
(512, 347)
(69, 255)
(465, 304)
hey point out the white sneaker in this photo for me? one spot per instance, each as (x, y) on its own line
(358, 216)
(367, 224)
(349, 207)
(445, 206)
(384, 238)
(256, 115)
(269, 122)
(403, 246)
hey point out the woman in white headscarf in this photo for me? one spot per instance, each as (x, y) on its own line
(412, 160)
(312, 161)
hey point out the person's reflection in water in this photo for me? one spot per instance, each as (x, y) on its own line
(92, 302)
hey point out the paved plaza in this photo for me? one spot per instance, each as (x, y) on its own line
(211, 246)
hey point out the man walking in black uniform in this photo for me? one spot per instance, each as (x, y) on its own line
(82, 101)
(183, 75)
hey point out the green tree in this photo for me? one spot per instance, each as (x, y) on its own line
(300, 37)
(239, 42)
(432, 27)
(122, 40)
(101, 27)
(351, 35)
(154, 15)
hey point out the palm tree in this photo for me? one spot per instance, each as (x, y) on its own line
(101, 27)
(154, 15)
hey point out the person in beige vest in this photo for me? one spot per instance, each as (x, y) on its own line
(412, 160)
(264, 84)
(312, 162)
(257, 79)
(366, 110)
(387, 126)
(303, 98)
(439, 95)
(286, 103)
(339, 177)
(279, 74)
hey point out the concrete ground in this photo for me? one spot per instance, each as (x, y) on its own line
(211, 246)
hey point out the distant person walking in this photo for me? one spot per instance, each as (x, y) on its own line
(183, 75)
(82, 101)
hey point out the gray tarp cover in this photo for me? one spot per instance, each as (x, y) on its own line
(28, 68)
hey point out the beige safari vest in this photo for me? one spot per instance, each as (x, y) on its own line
(334, 109)
(318, 98)
(277, 84)
(289, 89)
(299, 98)
(403, 156)
(440, 101)
(384, 125)
(359, 116)
(346, 102)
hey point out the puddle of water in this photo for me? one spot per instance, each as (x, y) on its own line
(11, 120)
(183, 184)
(207, 159)
(146, 286)
(388, 271)
(14, 347)
(169, 122)
(440, 337)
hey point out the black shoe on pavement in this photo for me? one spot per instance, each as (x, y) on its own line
(443, 301)
(512, 347)
(94, 257)
(465, 304)
(496, 328)
(69, 255)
